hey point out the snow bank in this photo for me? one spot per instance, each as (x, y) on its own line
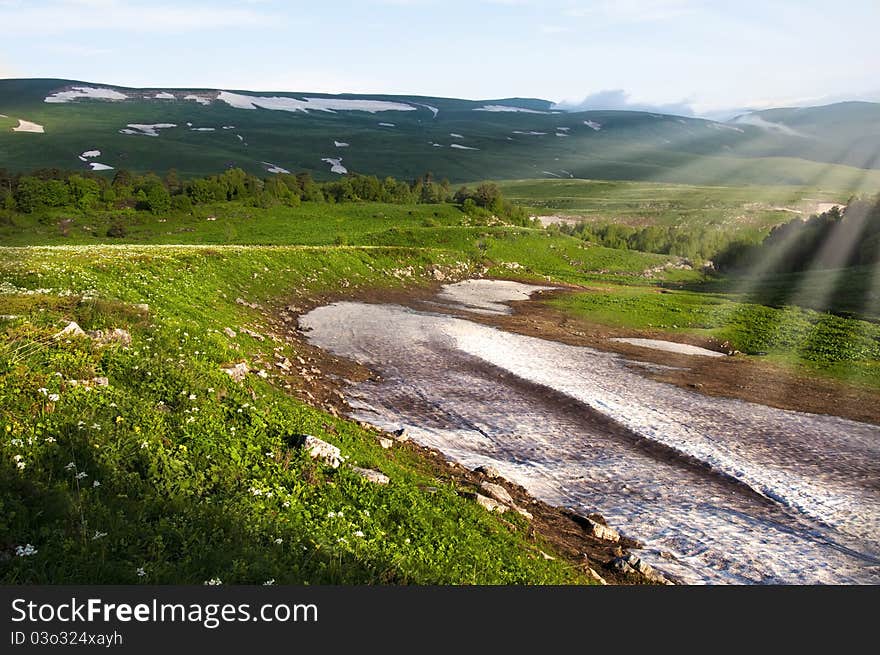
(97, 166)
(455, 136)
(27, 126)
(458, 146)
(335, 165)
(669, 346)
(486, 296)
(85, 92)
(164, 95)
(282, 103)
(387, 124)
(505, 108)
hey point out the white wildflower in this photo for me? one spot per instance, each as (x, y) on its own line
(98, 535)
(54, 397)
(279, 541)
(43, 390)
(25, 551)
(269, 582)
(359, 533)
(96, 484)
(70, 465)
(81, 475)
(140, 572)
(213, 582)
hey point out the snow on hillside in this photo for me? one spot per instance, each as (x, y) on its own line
(85, 92)
(506, 108)
(282, 103)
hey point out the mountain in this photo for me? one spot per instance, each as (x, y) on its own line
(71, 124)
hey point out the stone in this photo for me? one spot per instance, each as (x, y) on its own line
(438, 274)
(400, 435)
(252, 334)
(523, 512)
(284, 364)
(71, 330)
(100, 382)
(229, 332)
(385, 443)
(600, 531)
(497, 492)
(651, 574)
(370, 475)
(622, 566)
(491, 504)
(488, 471)
(595, 576)
(116, 335)
(321, 450)
(237, 372)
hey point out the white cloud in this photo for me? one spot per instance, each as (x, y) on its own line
(60, 16)
(620, 99)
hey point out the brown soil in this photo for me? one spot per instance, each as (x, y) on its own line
(320, 378)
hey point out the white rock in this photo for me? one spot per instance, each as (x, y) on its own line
(497, 492)
(319, 449)
(603, 532)
(229, 332)
(370, 475)
(491, 504)
(385, 443)
(237, 372)
(71, 330)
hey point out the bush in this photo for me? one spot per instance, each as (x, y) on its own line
(117, 230)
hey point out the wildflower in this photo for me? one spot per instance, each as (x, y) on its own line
(54, 397)
(269, 582)
(95, 426)
(98, 535)
(81, 475)
(331, 515)
(256, 492)
(140, 572)
(286, 503)
(25, 551)
(269, 453)
(70, 465)
(144, 444)
(43, 390)
(21, 466)
(50, 439)
(359, 533)
(210, 389)
(192, 396)
(279, 541)
(17, 442)
(213, 582)
(96, 484)
(119, 419)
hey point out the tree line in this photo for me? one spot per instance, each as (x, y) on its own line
(55, 188)
(833, 239)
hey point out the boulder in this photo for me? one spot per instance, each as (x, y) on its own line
(400, 435)
(237, 372)
(488, 471)
(116, 335)
(319, 449)
(650, 573)
(370, 475)
(497, 492)
(229, 332)
(385, 443)
(596, 577)
(622, 566)
(600, 531)
(491, 504)
(71, 330)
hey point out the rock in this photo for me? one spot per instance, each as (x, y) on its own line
(261, 373)
(603, 532)
(71, 330)
(229, 332)
(252, 334)
(595, 576)
(438, 274)
(237, 372)
(546, 556)
(370, 475)
(100, 382)
(645, 569)
(142, 306)
(319, 449)
(491, 504)
(622, 566)
(400, 435)
(488, 471)
(116, 335)
(284, 364)
(497, 492)
(385, 443)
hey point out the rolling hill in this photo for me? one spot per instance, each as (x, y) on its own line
(69, 124)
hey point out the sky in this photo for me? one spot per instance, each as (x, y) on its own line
(703, 57)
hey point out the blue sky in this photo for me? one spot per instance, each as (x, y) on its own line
(682, 55)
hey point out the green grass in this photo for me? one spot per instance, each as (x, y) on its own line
(197, 475)
(820, 343)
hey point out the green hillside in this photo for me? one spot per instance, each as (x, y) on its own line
(456, 139)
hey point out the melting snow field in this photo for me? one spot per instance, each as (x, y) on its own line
(146, 130)
(85, 93)
(27, 126)
(283, 103)
(718, 490)
(506, 108)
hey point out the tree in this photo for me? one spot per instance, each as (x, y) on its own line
(158, 199)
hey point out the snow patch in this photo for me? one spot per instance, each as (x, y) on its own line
(433, 110)
(563, 129)
(335, 165)
(387, 124)
(458, 146)
(164, 95)
(85, 92)
(505, 108)
(97, 166)
(148, 130)
(274, 168)
(455, 136)
(229, 127)
(202, 129)
(202, 100)
(27, 126)
(531, 133)
(91, 153)
(593, 125)
(486, 296)
(670, 346)
(281, 103)
(340, 144)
